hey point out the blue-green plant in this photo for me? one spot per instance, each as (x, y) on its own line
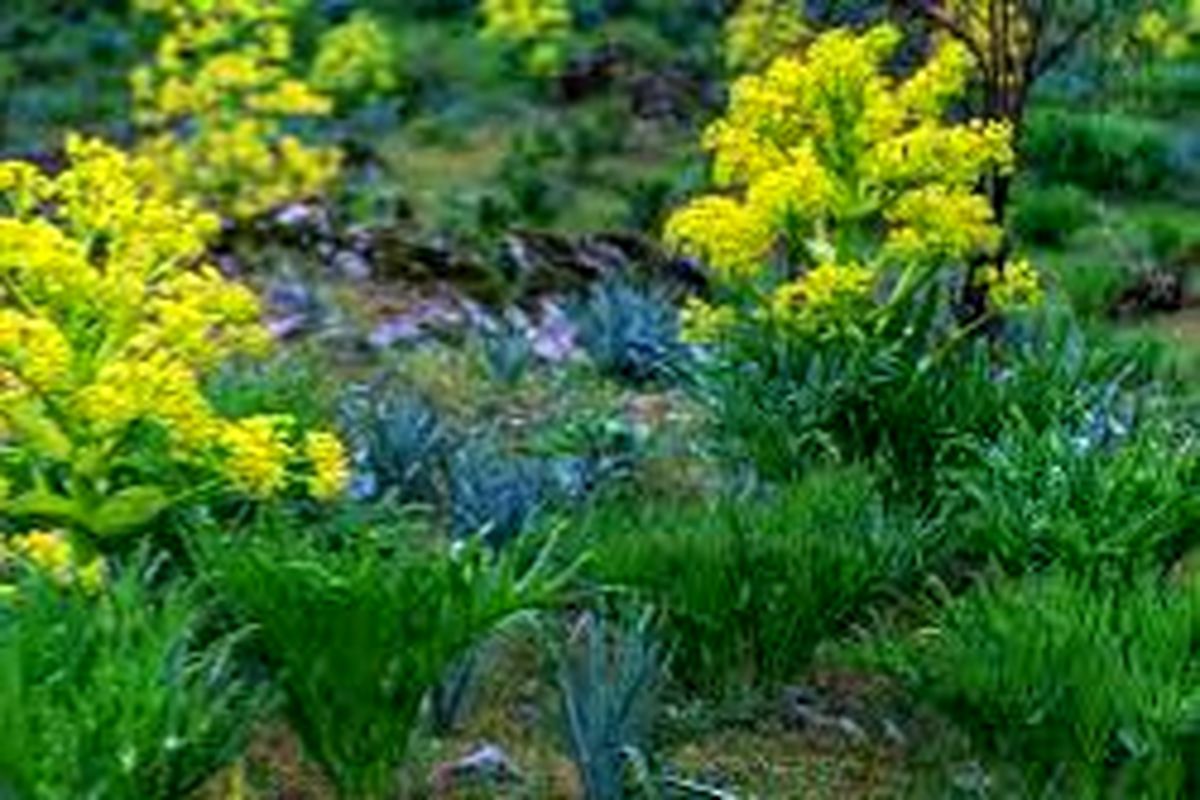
(608, 675)
(631, 333)
(402, 443)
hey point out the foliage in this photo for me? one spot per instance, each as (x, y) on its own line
(215, 103)
(1087, 689)
(1048, 216)
(608, 675)
(128, 695)
(110, 319)
(537, 28)
(403, 444)
(750, 586)
(357, 635)
(1092, 497)
(761, 30)
(1101, 152)
(630, 333)
(355, 60)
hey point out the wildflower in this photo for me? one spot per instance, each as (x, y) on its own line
(826, 298)
(331, 471)
(704, 323)
(223, 68)
(538, 27)
(827, 162)
(51, 554)
(761, 30)
(258, 454)
(1014, 287)
(355, 58)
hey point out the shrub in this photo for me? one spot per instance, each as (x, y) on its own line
(1100, 152)
(355, 60)
(631, 334)
(535, 28)
(1090, 497)
(608, 675)
(1049, 216)
(358, 635)
(128, 695)
(829, 315)
(109, 325)
(1089, 690)
(750, 586)
(215, 104)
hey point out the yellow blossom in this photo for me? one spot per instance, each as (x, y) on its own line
(828, 166)
(355, 58)
(704, 323)
(1016, 286)
(331, 470)
(826, 298)
(50, 552)
(258, 454)
(761, 30)
(223, 68)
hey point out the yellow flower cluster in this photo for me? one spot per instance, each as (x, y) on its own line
(536, 26)
(825, 299)
(1014, 287)
(51, 554)
(760, 30)
(223, 69)
(108, 321)
(827, 160)
(355, 59)
(704, 323)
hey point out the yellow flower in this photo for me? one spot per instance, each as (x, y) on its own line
(331, 471)
(825, 299)
(760, 31)
(1016, 286)
(523, 21)
(824, 148)
(355, 58)
(51, 554)
(223, 68)
(537, 27)
(257, 454)
(704, 323)
(728, 234)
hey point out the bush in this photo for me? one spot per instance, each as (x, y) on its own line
(1049, 216)
(783, 408)
(1100, 152)
(125, 695)
(1090, 497)
(631, 334)
(750, 586)
(357, 635)
(1088, 690)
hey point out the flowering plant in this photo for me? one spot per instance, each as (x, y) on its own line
(843, 194)
(109, 321)
(536, 28)
(216, 100)
(760, 30)
(355, 59)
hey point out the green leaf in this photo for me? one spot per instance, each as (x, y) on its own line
(41, 502)
(38, 432)
(128, 510)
